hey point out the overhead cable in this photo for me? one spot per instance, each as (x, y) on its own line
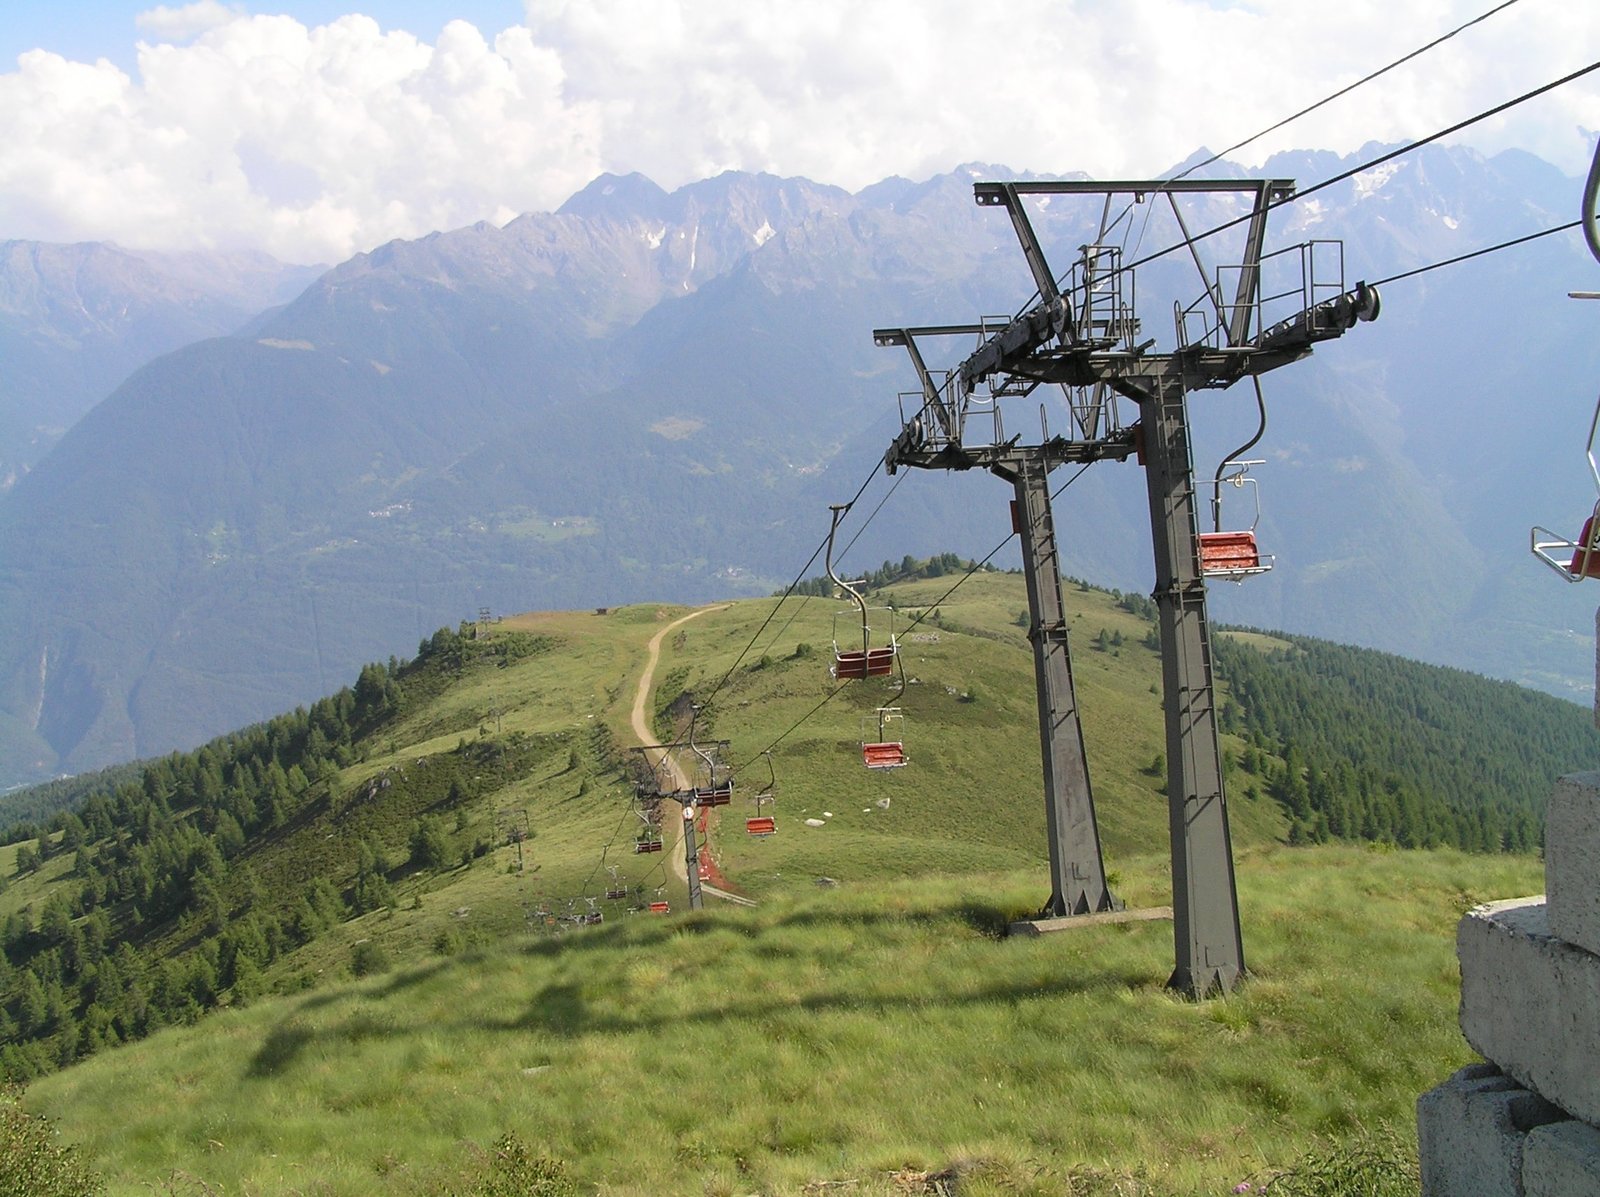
(1365, 166)
(1344, 91)
(1378, 161)
(866, 522)
(974, 568)
(771, 615)
(1478, 253)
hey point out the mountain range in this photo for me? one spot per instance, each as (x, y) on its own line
(75, 320)
(655, 396)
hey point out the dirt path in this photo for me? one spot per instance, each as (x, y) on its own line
(641, 729)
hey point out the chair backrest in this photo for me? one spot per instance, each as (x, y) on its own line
(887, 755)
(856, 665)
(1224, 552)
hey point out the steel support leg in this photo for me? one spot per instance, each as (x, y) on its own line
(1208, 947)
(691, 856)
(1077, 872)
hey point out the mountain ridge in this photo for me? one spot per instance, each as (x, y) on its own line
(557, 413)
(76, 319)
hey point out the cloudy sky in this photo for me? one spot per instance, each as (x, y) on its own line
(314, 129)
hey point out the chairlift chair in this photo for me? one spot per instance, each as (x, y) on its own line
(718, 795)
(888, 750)
(760, 824)
(885, 752)
(616, 889)
(1577, 559)
(852, 664)
(713, 793)
(1233, 556)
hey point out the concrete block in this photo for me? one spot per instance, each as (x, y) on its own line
(1562, 1160)
(1572, 860)
(1471, 1133)
(1531, 1003)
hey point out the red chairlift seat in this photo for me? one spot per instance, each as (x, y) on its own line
(614, 894)
(660, 907)
(1578, 559)
(714, 795)
(1230, 554)
(761, 825)
(890, 754)
(1574, 560)
(859, 665)
(1585, 561)
(646, 846)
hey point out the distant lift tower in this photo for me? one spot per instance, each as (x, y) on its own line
(1082, 334)
(702, 780)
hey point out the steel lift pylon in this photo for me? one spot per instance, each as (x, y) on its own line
(707, 782)
(1083, 334)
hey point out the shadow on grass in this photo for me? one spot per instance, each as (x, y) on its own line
(559, 1008)
(988, 920)
(558, 1011)
(282, 1048)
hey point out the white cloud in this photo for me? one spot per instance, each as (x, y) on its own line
(180, 24)
(317, 142)
(311, 143)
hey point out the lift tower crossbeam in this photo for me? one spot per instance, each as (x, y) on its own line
(1082, 332)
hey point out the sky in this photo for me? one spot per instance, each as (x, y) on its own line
(316, 129)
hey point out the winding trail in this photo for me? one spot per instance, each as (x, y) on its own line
(641, 729)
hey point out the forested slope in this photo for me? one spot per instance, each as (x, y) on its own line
(1376, 747)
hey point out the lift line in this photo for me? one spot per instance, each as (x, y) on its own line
(1083, 334)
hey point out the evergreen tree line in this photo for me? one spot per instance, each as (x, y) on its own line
(161, 913)
(26, 812)
(1375, 747)
(910, 569)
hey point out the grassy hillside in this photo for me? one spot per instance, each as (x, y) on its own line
(845, 1036)
(368, 838)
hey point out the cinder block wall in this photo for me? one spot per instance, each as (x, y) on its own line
(1524, 1124)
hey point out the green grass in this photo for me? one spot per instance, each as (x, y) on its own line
(844, 1034)
(875, 1031)
(1260, 641)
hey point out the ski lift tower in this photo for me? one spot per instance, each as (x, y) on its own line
(702, 782)
(1083, 335)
